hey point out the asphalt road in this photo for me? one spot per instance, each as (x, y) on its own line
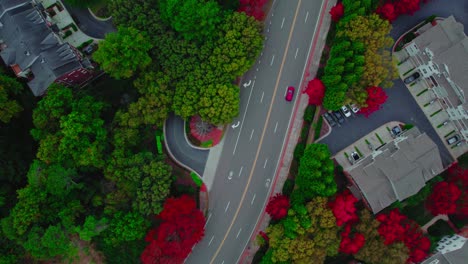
(251, 151)
(182, 151)
(88, 24)
(400, 105)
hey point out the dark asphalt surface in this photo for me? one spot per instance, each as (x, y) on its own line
(232, 216)
(400, 105)
(182, 151)
(88, 24)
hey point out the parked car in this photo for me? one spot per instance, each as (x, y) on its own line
(338, 116)
(452, 140)
(413, 77)
(345, 111)
(89, 49)
(290, 93)
(354, 108)
(396, 130)
(329, 119)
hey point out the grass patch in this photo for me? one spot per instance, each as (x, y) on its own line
(417, 213)
(388, 129)
(207, 144)
(408, 71)
(450, 133)
(367, 141)
(346, 155)
(408, 126)
(413, 84)
(379, 138)
(440, 125)
(318, 128)
(400, 63)
(423, 91)
(358, 151)
(436, 112)
(84, 44)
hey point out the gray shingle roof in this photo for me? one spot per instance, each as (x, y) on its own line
(32, 44)
(399, 171)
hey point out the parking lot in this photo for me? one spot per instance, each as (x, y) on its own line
(364, 146)
(432, 107)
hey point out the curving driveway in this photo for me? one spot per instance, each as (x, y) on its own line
(88, 24)
(179, 147)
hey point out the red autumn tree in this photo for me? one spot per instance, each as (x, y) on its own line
(387, 11)
(443, 198)
(181, 227)
(278, 206)
(396, 227)
(344, 209)
(406, 6)
(337, 12)
(375, 99)
(459, 177)
(316, 91)
(351, 243)
(253, 8)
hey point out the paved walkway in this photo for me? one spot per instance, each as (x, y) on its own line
(287, 156)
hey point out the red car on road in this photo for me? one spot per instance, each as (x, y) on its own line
(289, 94)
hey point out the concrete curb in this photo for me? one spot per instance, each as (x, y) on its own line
(99, 18)
(326, 134)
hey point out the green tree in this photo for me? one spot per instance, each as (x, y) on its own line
(155, 102)
(125, 227)
(154, 187)
(74, 135)
(9, 107)
(193, 19)
(52, 242)
(82, 3)
(122, 53)
(139, 14)
(219, 103)
(316, 172)
(92, 227)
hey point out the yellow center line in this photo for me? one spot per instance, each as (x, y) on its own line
(261, 138)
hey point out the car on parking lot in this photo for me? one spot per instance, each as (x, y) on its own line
(329, 119)
(90, 49)
(338, 116)
(396, 130)
(354, 108)
(453, 140)
(289, 94)
(413, 77)
(345, 111)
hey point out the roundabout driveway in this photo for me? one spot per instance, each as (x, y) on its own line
(88, 24)
(182, 152)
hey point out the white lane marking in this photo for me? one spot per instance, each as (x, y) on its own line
(307, 15)
(253, 199)
(259, 61)
(207, 220)
(238, 233)
(211, 240)
(251, 134)
(297, 50)
(267, 183)
(282, 23)
(261, 100)
(242, 123)
(257, 69)
(276, 126)
(222, 262)
(272, 60)
(240, 172)
(227, 206)
(268, 30)
(266, 161)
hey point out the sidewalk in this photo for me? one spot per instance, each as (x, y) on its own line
(296, 125)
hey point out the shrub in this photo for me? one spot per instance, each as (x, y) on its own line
(299, 151)
(288, 187)
(309, 113)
